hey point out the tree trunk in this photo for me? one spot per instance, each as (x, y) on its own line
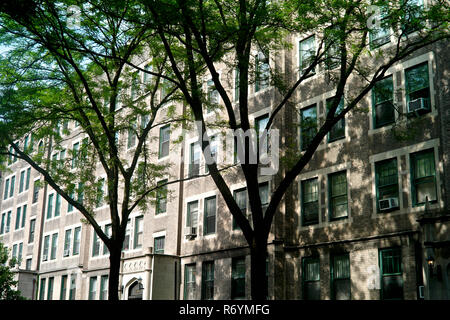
(114, 270)
(258, 255)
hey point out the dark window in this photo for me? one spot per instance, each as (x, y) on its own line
(338, 195)
(423, 177)
(338, 130)
(210, 216)
(310, 201)
(161, 197)
(164, 141)
(241, 199)
(262, 71)
(382, 103)
(418, 88)
(138, 232)
(340, 277)
(386, 178)
(194, 164)
(208, 280)
(189, 282)
(311, 278)
(307, 52)
(62, 295)
(308, 126)
(36, 191)
(391, 274)
(159, 244)
(31, 232)
(238, 278)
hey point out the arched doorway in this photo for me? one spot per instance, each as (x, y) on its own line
(135, 291)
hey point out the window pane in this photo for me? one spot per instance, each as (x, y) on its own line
(310, 201)
(238, 278)
(208, 280)
(210, 215)
(308, 126)
(189, 282)
(338, 130)
(307, 52)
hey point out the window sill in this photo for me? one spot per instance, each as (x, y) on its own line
(161, 215)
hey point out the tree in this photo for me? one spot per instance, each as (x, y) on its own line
(80, 61)
(224, 34)
(7, 282)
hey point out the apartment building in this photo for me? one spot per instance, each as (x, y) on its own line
(368, 217)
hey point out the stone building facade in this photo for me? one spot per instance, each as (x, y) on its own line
(366, 219)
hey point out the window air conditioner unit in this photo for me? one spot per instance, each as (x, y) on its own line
(418, 105)
(389, 203)
(190, 232)
(66, 252)
(44, 257)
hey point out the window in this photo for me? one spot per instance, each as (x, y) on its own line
(213, 150)
(210, 216)
(24, 215)
(95, 245)
(310, 201)
(28, 264)
(311, 278)
(306, 54)
(54, 246)
(46, 248)
(332, 45)
(31, 232)
(50, 288)
(69, 205)
(241, 199)
(380, 35)
(14, 251)
(147, 76)
(264, 195)
(382, 103)
(131, 139)
(11, 190)
(418, 88)
(27, 182)
(238, 278)
(2, 227)
(338, 195)
(8, 221)
(19, 255)
(104, 287)
(80, 192)
(62, 294)
(108, 232)
(262, 138)
(100, 193)
(42, 289)
(194, 163)
(21, 181)
(308, 126)
(73, 288)
(212, 94)
(92, 288)
(67, 240)
(138, 232)
(76, 241)
(35, 191)
(189, 282)
(386, 179)
(412, 20)
(5, 192)
(391, 274)
(126, 241)
(262, 69)
(161, 197)
(192, 214)
(57, 205)
(236, 84)
(208, 280)
(75, 154)
(159, 244)
(18, 213)
(338, 130)
(423, 177)
(340, 277)
(164, 140)
(50, 206)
